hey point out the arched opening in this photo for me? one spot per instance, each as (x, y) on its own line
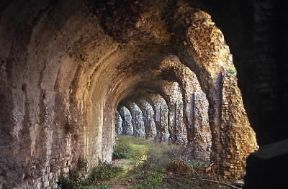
(154, 72)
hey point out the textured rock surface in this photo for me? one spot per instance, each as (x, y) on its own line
(178, 132)
(65, 66)
(160, 117)
(127, 125)
(118, 125)
(212, 57)
(137, 119)
(148, 116)
(202, 142)
(234, 122)
(195, 109)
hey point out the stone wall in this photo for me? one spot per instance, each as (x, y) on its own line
(66, 65)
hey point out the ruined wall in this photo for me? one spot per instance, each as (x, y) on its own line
(47, 78)
(255, 32)
(118, 123)
(148, 116)
(65, 66)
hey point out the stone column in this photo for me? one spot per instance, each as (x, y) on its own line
(137, 119)
(148, 113)
(118, 125)
(127, 121)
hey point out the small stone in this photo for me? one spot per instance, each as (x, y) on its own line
(46, 184)
(239, 183)
(39, 185)
(227, 173)
(66, 170)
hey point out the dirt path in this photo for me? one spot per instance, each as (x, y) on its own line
(144, 164)
(122, 182)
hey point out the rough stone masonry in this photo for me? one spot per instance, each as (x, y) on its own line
(66, 65)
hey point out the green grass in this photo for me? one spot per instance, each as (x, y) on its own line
(153, 181)
(147, 161)
(103, 172)
(128, 148)
(98, 179)
(122, 151)
(101, 186)
(143, 164)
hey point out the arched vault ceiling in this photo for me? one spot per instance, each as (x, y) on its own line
(65, 66)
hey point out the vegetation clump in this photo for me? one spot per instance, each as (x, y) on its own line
(95, 180)
(142, 164)
(103, 172)
(121, 151)
(180, 167)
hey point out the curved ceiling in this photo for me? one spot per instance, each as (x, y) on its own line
(66, 70)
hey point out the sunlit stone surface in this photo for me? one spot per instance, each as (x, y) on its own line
(66, 66)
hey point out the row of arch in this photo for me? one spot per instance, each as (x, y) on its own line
(152, 117)
(65, 70)
(172, 107)
(171, 117)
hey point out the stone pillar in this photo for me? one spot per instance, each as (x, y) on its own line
(237, 137)
(137, 119)
(202, 139)
(160, 117)
(127, 121)
(177, 128)
(148, 117)
(118, 125)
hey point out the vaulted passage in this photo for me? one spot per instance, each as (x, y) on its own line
(75, 74)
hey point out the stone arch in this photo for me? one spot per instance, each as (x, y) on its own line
(160, 117)
(63, 76)
(137, 119)
(119, 122)
(213, 60)
(148, 113)
(127, 120)
(195, 106)
(176, 107)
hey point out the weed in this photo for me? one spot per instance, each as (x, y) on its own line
(147, 165)
(196, 163)
(104, 172)
(122, 151)
(66, 183)
(232, 71)
(79, 172)
(82, 164)
(101, 186)
(153, 181)
(75, 176)
(180, 167)
(127, 148)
